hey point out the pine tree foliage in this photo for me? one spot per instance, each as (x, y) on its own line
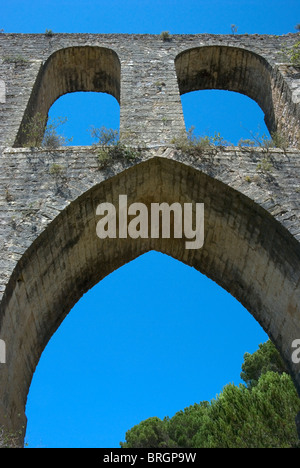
(265, 359)
(258, 414)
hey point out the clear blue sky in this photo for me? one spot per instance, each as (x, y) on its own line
(155, 336)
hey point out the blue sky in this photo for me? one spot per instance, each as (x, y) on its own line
(150, 16)
(155, 336)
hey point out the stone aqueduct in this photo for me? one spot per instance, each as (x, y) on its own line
(50, 254)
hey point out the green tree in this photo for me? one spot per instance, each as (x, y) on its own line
(151, 433)
(260, 413)
(265, 359)
(260, 417)
(185, 425)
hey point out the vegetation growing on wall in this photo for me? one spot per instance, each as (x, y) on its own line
(191, 143)
(292, 54)
(37, 134)
(110, 146)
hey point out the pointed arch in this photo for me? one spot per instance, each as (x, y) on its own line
(246, 251)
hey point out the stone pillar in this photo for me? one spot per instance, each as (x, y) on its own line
(151, 110)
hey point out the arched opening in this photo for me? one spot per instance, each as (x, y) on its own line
(236, 69)
(246, 251)
(147, 347)
(71, 70)
(84, 111)
(232, 115)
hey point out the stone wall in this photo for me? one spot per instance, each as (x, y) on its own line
(50, 253)
(151, 70)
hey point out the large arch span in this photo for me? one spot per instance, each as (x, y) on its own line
(246, 251)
